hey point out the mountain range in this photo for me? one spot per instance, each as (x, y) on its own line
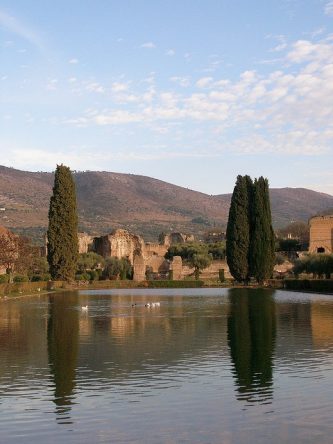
(141, 204)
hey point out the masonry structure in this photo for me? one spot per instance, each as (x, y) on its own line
(146, 258)
(321, 234)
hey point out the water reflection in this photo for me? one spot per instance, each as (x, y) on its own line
(251, 338)
(62, 341)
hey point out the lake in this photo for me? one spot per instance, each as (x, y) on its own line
(225, 366)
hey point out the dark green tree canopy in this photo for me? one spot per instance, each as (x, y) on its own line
(62, 246)
(250, 237)
(238, 229)
(262, 246)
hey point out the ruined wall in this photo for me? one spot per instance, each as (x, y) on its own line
(85, 242)
(139, 268)
(321, 234)
(157, 264)
(155, 249)
(210, 272)
(177, 268)
(119, 243)
(176, 238)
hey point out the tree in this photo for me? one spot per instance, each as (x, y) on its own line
(196, 255)
(62, 246)
(200, 261)
(238, 229)
(262, 245)
(8, 251)
(117, 268)
(90, 261)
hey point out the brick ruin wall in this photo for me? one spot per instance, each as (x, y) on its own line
(321, 234)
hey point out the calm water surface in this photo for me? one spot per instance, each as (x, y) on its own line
(205, 366)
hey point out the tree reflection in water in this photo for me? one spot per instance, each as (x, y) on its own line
(62, 340)
(251, 338)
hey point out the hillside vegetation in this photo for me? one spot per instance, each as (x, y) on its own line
(140, 204)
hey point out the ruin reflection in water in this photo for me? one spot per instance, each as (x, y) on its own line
(207, 365)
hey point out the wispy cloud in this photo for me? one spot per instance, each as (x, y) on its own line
(14, 26)
(170, 52)
(329, 8)
(148, 45)
(73, 61)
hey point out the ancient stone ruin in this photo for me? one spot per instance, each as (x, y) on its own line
(146, 258)
(321, 234)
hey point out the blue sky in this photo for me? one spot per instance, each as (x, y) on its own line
(193, 92)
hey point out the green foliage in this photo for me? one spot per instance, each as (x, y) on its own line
(4, 278)
(217, 250)
(63, 227)
(288, 245)
(194, 254)
(117, 268)
(82, 277)
(262, 245)
(250, 237)
(200, 261)
(238, 229)
(89, 261)
(318, 264)
(40, 277)
(20, 278)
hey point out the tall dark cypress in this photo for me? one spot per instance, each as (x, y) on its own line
(62, 246)
(261, 258)
(238, 229)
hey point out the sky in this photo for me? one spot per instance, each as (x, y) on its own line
(193, 92)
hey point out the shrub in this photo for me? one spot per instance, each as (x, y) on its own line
(40, 277)
(20, 278)
(4, 278)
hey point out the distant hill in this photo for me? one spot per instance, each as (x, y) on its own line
(140, 204)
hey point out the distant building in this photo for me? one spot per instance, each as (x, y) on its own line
(321, 234)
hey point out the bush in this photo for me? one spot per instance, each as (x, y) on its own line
(40, 277)
(117, 268)
(4, 278)
(20, 278)
(82, 277)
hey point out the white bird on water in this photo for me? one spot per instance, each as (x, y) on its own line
(84, 308)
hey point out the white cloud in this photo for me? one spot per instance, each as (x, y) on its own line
(149, 45)
(286, 111)
(52, 84)
(73, 61)
(118, 117)
(95, 87)
(119, 87)
(204, 82)
(170, 52)
(181, 81)
(329, 8)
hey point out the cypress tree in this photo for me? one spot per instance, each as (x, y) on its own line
(262, 246)
(62, 246)
(238, 229)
